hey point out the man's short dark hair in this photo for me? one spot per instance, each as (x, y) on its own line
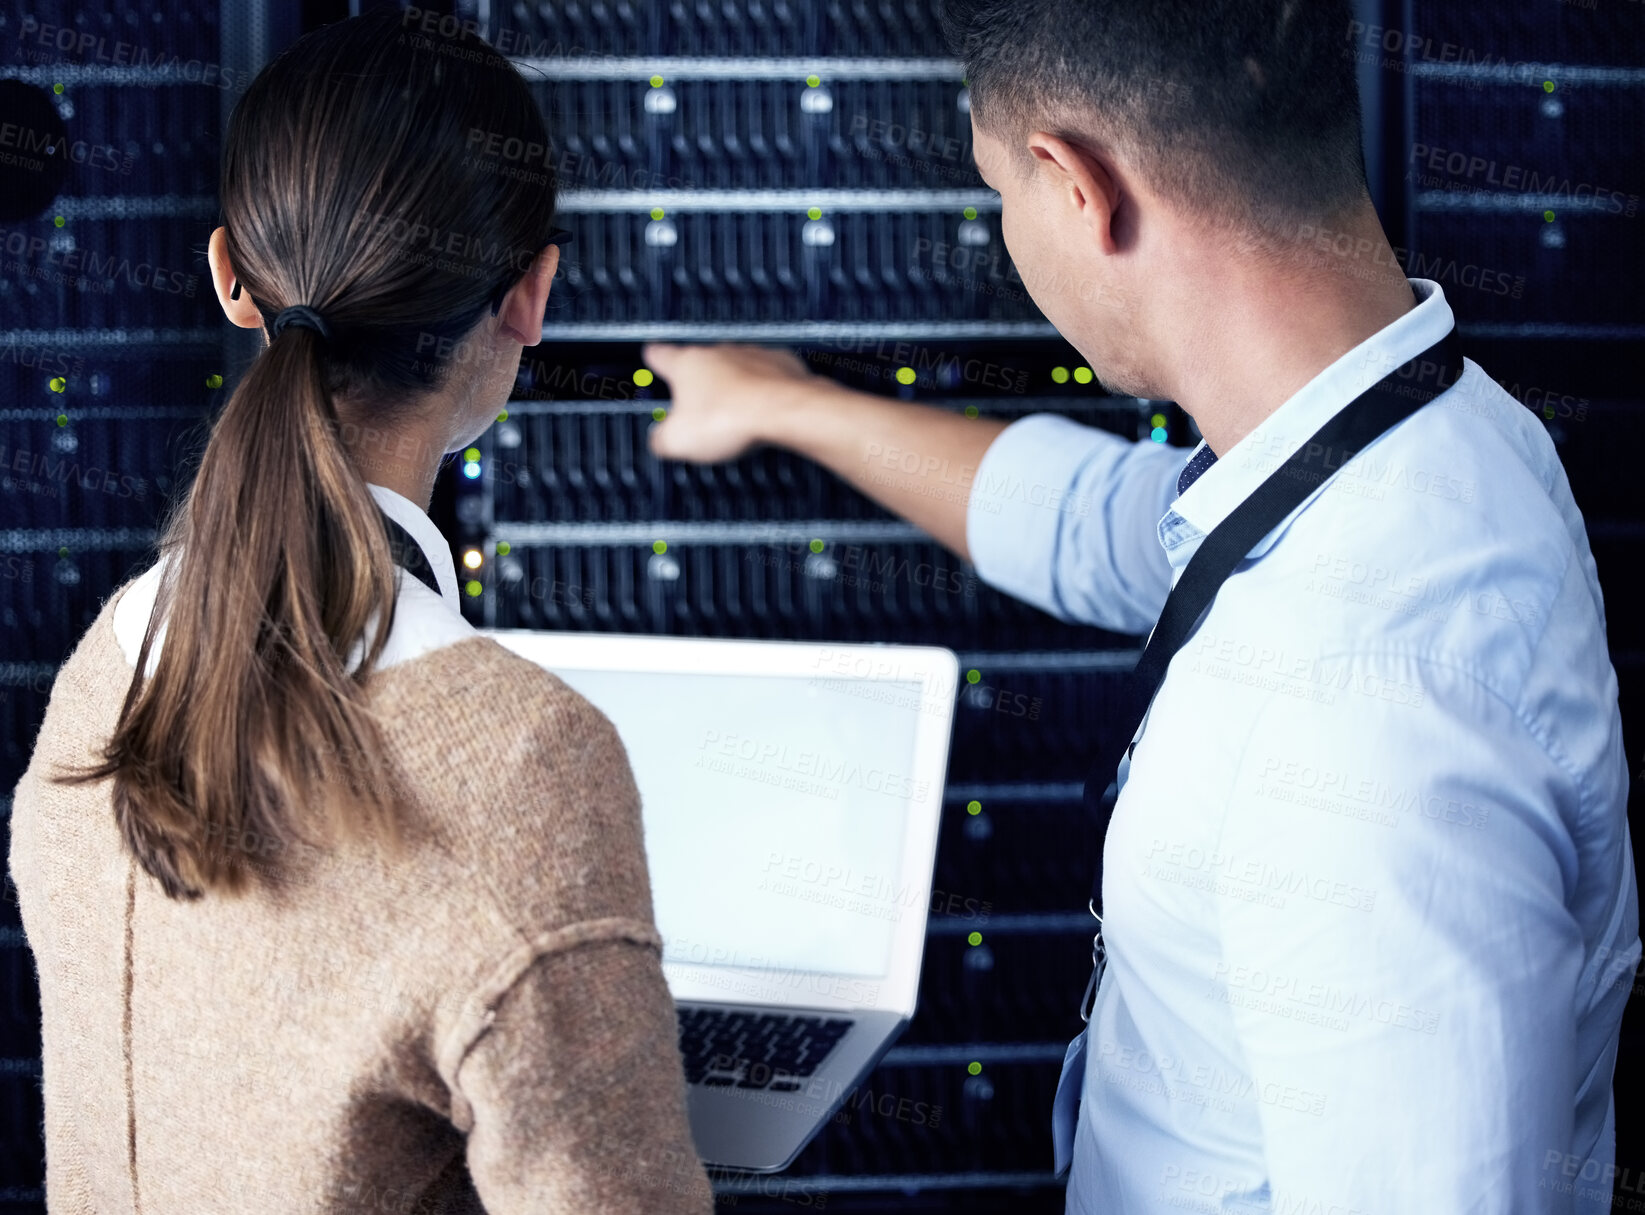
(1245, 111)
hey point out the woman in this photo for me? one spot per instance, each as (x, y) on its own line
(339, 906)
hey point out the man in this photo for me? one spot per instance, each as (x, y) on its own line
(1368, 901)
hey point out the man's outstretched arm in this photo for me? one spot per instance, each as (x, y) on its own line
(1058, 514)
(730, 398)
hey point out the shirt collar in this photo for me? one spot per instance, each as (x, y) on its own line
(1233, 477)
(410, 516)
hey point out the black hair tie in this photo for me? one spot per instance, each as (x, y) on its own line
(302, 316)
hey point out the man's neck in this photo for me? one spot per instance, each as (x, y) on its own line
(1260, 330)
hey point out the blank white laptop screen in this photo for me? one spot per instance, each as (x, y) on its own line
(774, 811)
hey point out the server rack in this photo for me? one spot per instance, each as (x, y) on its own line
(800, 175)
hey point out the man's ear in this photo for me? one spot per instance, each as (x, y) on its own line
(243, 311)
(1084, 179)
(521, 314)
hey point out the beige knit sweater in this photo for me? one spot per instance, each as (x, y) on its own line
(480, 1020)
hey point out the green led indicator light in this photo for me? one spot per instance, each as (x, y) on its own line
(656, 82)
(973, 675)
(57, 383)
(974, 1068)
(63, 552)
(657, 213)
(970, 213)
(59, 220)
(62, 419)
(973, 807)
(1059, 375)
(643, 377)
(1157, 420)
(814, 213)
(1548, 216)
(905, 375)
(813, 81)
(970, 411)
(1548, 412)
(58, 89)
(975, 938)
(658, 414)
(473, 453)
(659, 547)
(214, 380)
(1082, 375)
(473, 587)
(1547, 86)
(816, 546)
(504, 548)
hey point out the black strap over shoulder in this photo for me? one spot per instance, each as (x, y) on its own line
(1378, 409)
(408, 554)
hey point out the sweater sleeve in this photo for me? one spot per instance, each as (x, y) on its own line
(576, 1093)
(560, 1054)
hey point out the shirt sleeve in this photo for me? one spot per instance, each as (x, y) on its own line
(1066, 517)
(576, 1091)
(1404, 988)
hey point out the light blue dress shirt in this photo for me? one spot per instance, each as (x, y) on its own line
(1369, 899)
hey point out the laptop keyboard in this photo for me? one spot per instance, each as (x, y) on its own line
(723, 1048)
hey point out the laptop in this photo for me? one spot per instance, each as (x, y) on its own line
(790, 795)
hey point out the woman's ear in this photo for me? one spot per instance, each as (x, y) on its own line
(523, 307)
(237, 304)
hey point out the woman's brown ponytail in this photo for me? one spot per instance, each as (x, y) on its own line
(250, 736)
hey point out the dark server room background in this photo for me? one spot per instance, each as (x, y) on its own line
(794, 172)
